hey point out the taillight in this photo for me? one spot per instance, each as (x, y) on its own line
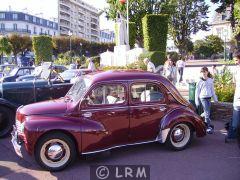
(20, 117)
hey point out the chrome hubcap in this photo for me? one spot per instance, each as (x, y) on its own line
(55, 152)
(178, 134)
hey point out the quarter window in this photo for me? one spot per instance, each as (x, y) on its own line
(107, 94)
(146, 92)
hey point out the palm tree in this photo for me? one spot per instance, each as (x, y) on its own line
(5, 47)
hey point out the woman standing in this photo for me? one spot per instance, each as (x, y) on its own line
(170, 71)
(204, 92)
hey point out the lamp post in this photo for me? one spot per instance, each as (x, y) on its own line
(127, 4)
(225, 33)
(70, 43)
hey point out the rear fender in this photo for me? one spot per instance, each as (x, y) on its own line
(181, 115)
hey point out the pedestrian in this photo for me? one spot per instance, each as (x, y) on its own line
(170, 71)
(180, 67)
(232, 130)
(150, 65)
(91, 65)
(203, 94)
(214, 70)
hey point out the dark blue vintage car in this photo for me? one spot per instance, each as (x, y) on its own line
(17, 72)
(15, 94)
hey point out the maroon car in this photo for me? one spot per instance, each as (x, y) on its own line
(102, 111)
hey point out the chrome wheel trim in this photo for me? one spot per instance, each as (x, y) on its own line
(180, 135)
(55, 153)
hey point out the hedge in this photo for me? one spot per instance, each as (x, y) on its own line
(42, 46)
(157, 57)
(155, 30)
(132, 34)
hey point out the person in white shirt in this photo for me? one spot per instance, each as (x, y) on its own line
(91, 65)
(203, 94)
(150, 65)
(232, 131)
(180, 67)
(170, 71)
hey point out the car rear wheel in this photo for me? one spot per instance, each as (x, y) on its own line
(7, 117)
(180, 136)
(55, 151)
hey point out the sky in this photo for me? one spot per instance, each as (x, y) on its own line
(49, 10)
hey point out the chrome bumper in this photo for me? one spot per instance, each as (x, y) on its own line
(16, 143)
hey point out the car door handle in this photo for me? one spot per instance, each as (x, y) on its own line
(87, 114)
(111, 113)
(162, 108)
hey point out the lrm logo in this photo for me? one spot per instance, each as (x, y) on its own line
(120, 172)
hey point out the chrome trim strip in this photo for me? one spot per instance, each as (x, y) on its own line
(102, 150)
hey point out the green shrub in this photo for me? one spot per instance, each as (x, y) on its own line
(43, 48)
(224, 86)
(157, 57)
(132, 34)
(155, 30)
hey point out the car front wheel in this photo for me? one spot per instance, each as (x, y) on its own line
(180, 136)
(55, 151)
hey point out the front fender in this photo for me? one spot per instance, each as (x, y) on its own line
(6, 103)
(36, 126)
(180, 115)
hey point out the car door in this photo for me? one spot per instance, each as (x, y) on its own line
(147, 107)
(108, 106)
(60, 89)
(43, 90)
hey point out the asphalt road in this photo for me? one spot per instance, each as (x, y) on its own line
(207, 158)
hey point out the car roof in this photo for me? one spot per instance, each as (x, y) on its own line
(124, 75)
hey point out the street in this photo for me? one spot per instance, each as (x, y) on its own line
(207, 158)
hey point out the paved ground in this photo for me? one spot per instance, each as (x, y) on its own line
(207, 158)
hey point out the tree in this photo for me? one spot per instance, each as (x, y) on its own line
(5, 47)
(19, 44)
(211, 45)
(138, 9)
(42, 46)
(223, 5)
(188, 19)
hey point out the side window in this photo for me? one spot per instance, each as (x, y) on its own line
(146, 92)
(27, 72)
(107, 94)
(20, 72)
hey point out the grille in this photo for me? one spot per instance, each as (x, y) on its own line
(18, 126)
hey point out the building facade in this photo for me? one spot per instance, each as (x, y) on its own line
(26, 24)
(79, 18)
(107, 36)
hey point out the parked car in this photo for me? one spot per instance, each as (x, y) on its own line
(102, 111)
(80, 74)
(37, 73)
(15, 94)
(5, 69)
(17, 72)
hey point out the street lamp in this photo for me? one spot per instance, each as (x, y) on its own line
(70, 43)
(124, 2)
(225, 33)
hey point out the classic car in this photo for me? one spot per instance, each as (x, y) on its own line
(102, 111)
(17, 72)
(37, 73)
(15, 94)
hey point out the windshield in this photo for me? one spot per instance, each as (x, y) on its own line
(79, 88)
(37, 71)
(68, 74)
(13, 72)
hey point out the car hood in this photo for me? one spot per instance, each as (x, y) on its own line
(46, 107)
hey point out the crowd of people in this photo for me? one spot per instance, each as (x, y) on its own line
(205, 90)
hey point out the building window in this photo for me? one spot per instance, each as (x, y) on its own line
(26, 18)
(27, 27)
(41, 21)
(2, 15)
(34, 19)
(15, 16)
(2, 26)
(34, 29)
(14, 26)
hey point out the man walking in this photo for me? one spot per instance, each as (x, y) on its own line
(180, 67)
(232, 131)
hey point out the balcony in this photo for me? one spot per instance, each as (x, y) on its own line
(11, 30)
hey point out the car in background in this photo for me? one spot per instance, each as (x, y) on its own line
(37, 73)
(15, 94)
(5, 69)
(17, 72)
(80, 74)
(102, 111)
